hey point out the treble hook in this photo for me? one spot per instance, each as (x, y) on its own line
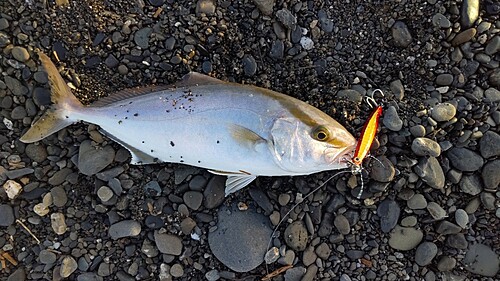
(370, 100)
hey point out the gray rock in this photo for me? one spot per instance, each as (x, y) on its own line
(464, 159)
(323, 251)
(20, 54)
(241, 238)
(214, 192)
(493, 46)
(391, 119)
(446, 263)
(277, 50)
(193, 199)
(286, 18)
(417, 202)
(350, 94)
(446, 228)
(58, 223)
(464, 36)
(490, 174)
(309, 256)
(462, 218)
(295, 273)
(168, 244)
(436, 211)
(401, 34)
(15, 86)
(59, 197)
(471, 184)
(457, 241)
(488, 201)
(18, 275)
(141, 37)
(47, 257)
(489, 144)
(4, 23)
(417, 131)
(444, 79)
(177, 270)
(441, 21)
(342, 224)
(442, 112)
(60, 176)
(36, 152)
(389, 212)
(105, 269)
(325, 23)
(492, 95)
(397, 89)
(265, 6)
(92, 160)
(405, 238)
(249, 65)
(89, 276)
(425, 147)
(425, 253)
(206, 7)
(125, 228)
(469, 13)
(6, 215)
(296, 236)
(494, 77)
(382, 170)
(481, 259)
(212, 275)
(68, 266)
(105, 193)
(430, 171)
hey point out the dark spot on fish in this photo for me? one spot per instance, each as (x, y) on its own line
(67, 116)
(182, 161)
(168, 111)
(218, 141)
(181, 157)
(172, 143)
(142, 141)
(128, 111)
(199, 161)
(119, 122)
(126, 117)
(136, 114)
(152, 150)
(129, 102)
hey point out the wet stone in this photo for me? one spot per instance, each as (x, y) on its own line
(457, 241)
(389, 212)
(417, 202)
(490, 144)
(446, 263)
(92, 160)
(464, 36)
(58, 223)
(240, 240)
(405, 238)
(125, 228)
(425, 147)
(193, 199)
(490, 174)
(20, 54)
(392, 120)
(425, 253)
(214, 192)
(462, 218)
(469, 13)
(443, 112)
(249, 65)
(436, 211)
(465, 159)
(36, 152)
(68, 266)
(401, 34)
(168, 244)
(342, 224)
(141, 37)
(444, 79)
(471, 184)
(47, 257)
(481, 259)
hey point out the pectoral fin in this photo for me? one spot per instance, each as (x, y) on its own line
(245, 136)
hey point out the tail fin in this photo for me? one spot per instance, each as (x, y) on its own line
(57, 117)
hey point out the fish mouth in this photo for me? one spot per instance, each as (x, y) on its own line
(342, 158)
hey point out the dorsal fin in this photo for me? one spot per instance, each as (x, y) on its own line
(196, 79)
(130, 93)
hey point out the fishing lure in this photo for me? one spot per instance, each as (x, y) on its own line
(366, 140)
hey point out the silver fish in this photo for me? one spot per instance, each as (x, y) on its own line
(239, 131)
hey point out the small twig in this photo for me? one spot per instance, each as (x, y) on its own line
(29, 231)
(276, 272)
(8, 257)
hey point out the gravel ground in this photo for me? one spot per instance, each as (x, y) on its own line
(72, 207)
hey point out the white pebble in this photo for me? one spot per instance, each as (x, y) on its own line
(306, 43)
(12, 189)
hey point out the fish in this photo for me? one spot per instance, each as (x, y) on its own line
(230, 129)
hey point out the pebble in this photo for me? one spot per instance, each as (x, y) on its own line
(92, 160)
(409, 221)
(342, 224)
(464, 36)
(286, 18)
(36, 152)
(388, 212)
(471, 184)
(405, 238)
(462, 218)
(401, 34)
(325, 22)
(446, 263)
(249, 65)
(6, 215)
(18, 275)
(214, 192)
(47, 257)
(430, 171)
(417, 131)
(187, 225)
(397, 89)
(425, 147)
(481, 259)
(308, 256)
(417, 202)
(168, 244)
(241, 238)
(68, 266)
(295, 273)
(457, 241)
(20, 54)
(296, 236)
(489, 144)
(425, 253)
(306, 43)
(446, 228)
(469, 13)
(350, 94)
(177, 270)
(212, 275)
(277, 50)
(105, 193)
(493, 46)
(391, 119)
(125, 228)
(490, 174)
(206, 7)
(441, 21)
(193, 199)
(436, 211)
(272, 255)
(58, 223)
(12, 189)
(492, 95)
(141, 37)
(444, 79)
(89, 276)
(464, 159)
(488, 201)
(265, 6)
(4, 23)
(323, 251)
(442, 112)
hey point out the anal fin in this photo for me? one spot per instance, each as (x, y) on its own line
(237, 182)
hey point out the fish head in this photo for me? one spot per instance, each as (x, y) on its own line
(308, 147)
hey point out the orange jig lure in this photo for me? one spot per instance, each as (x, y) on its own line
(366, 139)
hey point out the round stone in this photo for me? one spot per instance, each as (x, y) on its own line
(296, 236)
(68, 266)
(425, 253)
(177, 270)
(443, 112)
(105, 193)
(125, 228)
(20, 54)
(193, 199)
(47, 257)
(425, 147)
(405, 238)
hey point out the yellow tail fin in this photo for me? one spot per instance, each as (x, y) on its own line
(58, 116)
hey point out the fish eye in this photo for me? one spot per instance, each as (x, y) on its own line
(321, 133)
